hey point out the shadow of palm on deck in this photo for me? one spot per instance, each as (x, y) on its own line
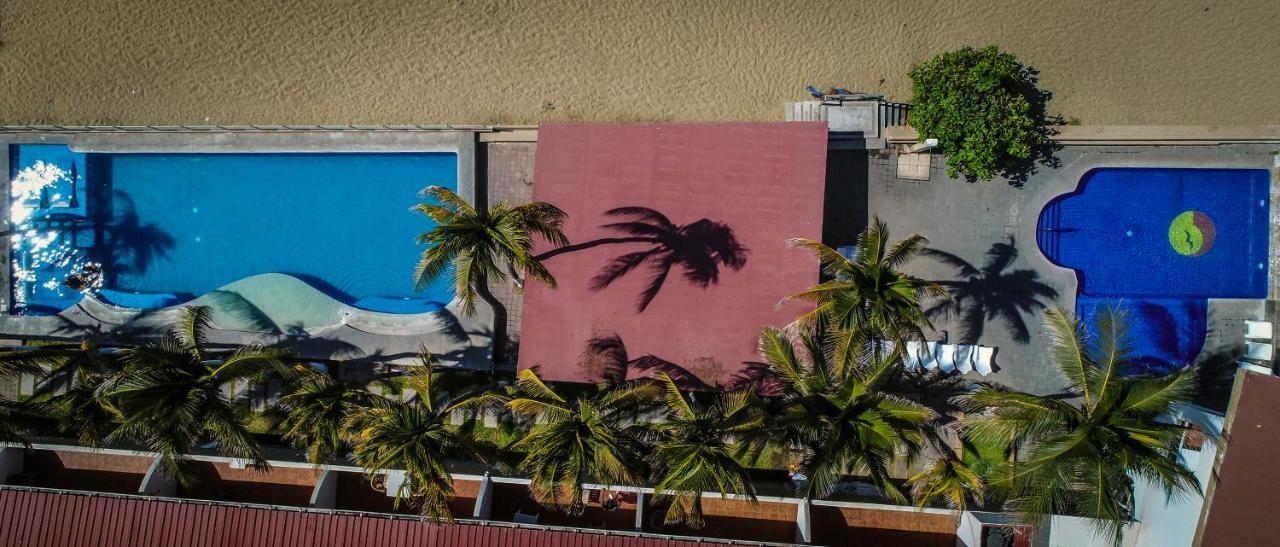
(993, 291)
(700, 248)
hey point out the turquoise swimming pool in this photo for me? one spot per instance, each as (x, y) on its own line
(167, 228)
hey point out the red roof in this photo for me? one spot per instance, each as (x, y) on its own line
(760, 183)
(47, 518)
(1246, 487)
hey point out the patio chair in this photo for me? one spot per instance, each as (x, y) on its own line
(946, 356)
(983, 363)
(928, 356)
(965, 354)
(1253, 368)
(1257, 329)
(525, 518)
(911, 360)
(1257, 352)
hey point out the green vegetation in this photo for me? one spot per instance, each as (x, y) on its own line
(483, 246)
(1083, 458)
(831, 401)
(982, 106)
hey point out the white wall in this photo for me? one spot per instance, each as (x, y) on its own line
(969, 533)
(1172, 523)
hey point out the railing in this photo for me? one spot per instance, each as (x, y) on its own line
(893, 114)
(1049, 230)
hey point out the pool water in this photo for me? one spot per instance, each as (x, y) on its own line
(1157, 243)
(171, 227)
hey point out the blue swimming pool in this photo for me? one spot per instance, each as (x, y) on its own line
(170, 227)
(1159, 243)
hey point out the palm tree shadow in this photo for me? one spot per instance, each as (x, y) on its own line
(981, 295)
(700, 248)
(130, 245)
(605, 361)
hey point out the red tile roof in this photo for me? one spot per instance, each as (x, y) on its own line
(1246, 487)
(55, 519)
(764, 181)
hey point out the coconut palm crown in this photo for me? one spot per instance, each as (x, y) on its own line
(867, 298)
(480, 246)
(577, 439)
(171, 397)
(414, 436)
(1083, 457)
(693, 455)
(836, 414)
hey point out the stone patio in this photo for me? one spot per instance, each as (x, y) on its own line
(967, 220)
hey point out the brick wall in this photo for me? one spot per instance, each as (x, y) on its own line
(279, 486)
(736, 519)
(356, 494)
(83, 471)
(848, 525)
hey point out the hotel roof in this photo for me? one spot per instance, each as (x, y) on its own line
(697, 261)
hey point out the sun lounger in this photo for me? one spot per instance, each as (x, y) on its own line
(1257, 352)
(946, 356)
(965, 355)
(911, 360)
(1253, 368)
(929, 356)
(1258, 329)
(983, 363)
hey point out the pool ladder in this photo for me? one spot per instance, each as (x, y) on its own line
(1049, 231)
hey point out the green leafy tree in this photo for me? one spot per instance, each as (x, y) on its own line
(981, 105)
(836, 413)
(314, 412)
(481, 246)
(692, 454)
(869, 298)
(414, 436)
(170, 394)
(1082, 458)
(575, 439)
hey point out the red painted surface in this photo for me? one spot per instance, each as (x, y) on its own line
(30, 518)
(763, 180)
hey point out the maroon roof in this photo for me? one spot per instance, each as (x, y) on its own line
(760, 182)
(1246, 487)
(48, 518)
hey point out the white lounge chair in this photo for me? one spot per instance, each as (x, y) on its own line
(929, 356)
(1257, 329)
(946, 355)
(911, 360)
(1257, 352)
(965, 355)
(983, 363)
(1253, 368)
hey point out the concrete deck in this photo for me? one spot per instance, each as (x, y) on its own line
(966, 219)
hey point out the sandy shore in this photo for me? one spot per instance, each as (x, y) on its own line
(481, 61)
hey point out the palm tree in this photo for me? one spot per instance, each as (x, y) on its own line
(1084, 457)
(17, 417)
(700, 248)
(577, 439)
(868, 298)
(483, 246)
(314, 412)
(991, 292)
(693, 455)
(170, 394)
(947, 479)
(836, 413)
(73, 389)
(414, 436)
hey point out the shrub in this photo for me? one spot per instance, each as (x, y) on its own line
(982, 106)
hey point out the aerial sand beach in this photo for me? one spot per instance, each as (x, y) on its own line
(1169, 62)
